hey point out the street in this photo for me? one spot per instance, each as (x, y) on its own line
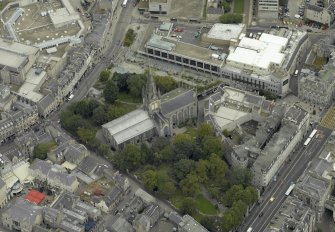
(289, 173)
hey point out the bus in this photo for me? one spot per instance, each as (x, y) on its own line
(313, 133)
(124, 3)
(307, 141)
(289, 190)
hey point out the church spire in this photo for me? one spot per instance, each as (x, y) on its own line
(151, 100)
(150, 87)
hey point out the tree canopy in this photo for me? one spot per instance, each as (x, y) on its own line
(129, 158)
(104, 75)
(110, 91)
(41, 150)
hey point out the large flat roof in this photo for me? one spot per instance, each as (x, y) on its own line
(260, 53)
(30, 87)
(13, 54)
(18, 48)
(185, 49)
(225, 31)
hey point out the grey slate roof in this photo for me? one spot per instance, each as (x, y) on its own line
(2, 184)
(41, 165)
(46, 101)
(178, 102)
(113, 196)
(129, 126)
(52, 172)
(88, 165)
(120, 225)
(23, 210)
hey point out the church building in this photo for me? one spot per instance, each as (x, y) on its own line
(158, 116)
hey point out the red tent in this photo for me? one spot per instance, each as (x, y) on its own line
(35, 196)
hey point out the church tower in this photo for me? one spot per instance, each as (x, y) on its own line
(151, 100)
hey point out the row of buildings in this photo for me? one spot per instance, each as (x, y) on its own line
(313, 194)
(44, 81)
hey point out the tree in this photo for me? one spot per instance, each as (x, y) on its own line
(86, 134)
(229, 221)
(233, 194)
(99, 116)
(187, 206)
(150, 180)
(165, 83)
(190, 185)
(41, 150)
(129, 158)
(182, 168)
(85, 107)
(226, 6)
(204, 130)
(135, 84)
(104, 75)
(231, 18)
(110, 91)
(250, 195)
(129, 38)
(202, 169)
(167, 153)
(240, 175)
(117, 110)
(209, 223)
(103, 150)
(167, 189)
(239, 208)
(217, 167)
(183, 145)
(72, 122)
(121, 81)
(160, 143)
(212, 145)
(165, 186)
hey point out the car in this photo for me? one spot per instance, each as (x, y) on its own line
(261, 214)
(272, 199)
(179, 29)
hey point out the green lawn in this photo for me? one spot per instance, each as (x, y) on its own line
(239, 6)
(205, 206)
(122, 96)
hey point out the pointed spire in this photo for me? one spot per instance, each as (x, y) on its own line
(150, 88)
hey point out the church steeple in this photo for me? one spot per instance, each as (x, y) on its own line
(151, 87)
(150, 98)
